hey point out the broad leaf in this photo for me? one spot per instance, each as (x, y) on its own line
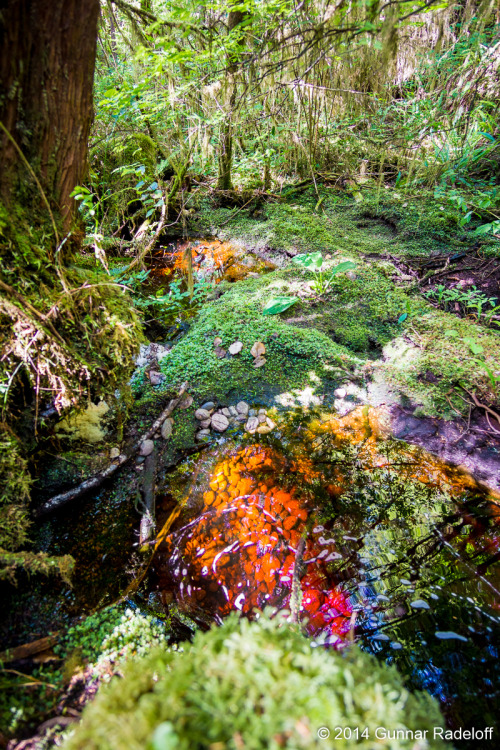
(279, 305)
(347, 265)
(309, 261)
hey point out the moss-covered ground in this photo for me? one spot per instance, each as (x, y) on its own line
(369, 318)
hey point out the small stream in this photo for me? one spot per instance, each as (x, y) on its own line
(361, 537)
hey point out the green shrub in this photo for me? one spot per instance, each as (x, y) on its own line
(252, 685)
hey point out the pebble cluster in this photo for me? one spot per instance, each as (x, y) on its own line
(219, 420)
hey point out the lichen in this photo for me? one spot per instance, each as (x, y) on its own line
(85, 425)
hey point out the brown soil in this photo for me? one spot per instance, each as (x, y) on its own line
(463, 271)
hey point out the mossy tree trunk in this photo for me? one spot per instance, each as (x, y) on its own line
(46, 80)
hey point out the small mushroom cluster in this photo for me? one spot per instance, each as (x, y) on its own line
(219, 420)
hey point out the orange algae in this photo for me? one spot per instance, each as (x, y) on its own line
(242, 552)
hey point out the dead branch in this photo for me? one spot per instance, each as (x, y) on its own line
(91, 484)
(29, 649)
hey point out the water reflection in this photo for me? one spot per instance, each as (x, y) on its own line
(357, 536)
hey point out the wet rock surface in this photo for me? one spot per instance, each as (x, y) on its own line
(473, 448)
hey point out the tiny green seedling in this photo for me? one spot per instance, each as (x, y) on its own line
(322, 278)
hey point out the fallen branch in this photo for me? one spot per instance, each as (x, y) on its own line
(486, 408)
(29, 649)
(91, 484)
(295, 598)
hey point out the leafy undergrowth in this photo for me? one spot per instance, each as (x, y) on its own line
(256, 685)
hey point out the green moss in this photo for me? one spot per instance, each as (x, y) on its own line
(292, 353)
(393, 223)
(255, 685)
(430, 366)
(362, 310)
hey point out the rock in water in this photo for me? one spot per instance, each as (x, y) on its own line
(252, 425)
(220, 422)
(147, 447)
(166, 428)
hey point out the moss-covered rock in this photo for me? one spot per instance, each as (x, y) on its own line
(255, 685)
(294, 355)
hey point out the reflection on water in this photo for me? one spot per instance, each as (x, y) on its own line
(358, 537)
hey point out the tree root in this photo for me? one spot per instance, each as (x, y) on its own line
(91, 484)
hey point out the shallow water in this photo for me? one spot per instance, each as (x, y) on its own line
(360, 538)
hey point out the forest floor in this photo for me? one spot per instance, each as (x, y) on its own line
(380, 344)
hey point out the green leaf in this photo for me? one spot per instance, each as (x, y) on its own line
(310, 261)
(279, 305)
(402, 318)
(347, 265)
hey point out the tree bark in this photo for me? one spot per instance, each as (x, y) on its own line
(46, 81)
(225, 161)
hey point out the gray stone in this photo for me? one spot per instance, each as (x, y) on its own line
(208, 405)
(147, 447)
(242, 407)
(252, 425)
(270, 423)
(220, 422)
(202, 434)
(252, 413)
(226, 412)
(340, 392)
(205, 423)
(233, 411)
(166, 428)
(155, 378)
(262, 411)
(261, 418)
(202, 414)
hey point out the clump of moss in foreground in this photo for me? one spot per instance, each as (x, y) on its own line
(253, 685)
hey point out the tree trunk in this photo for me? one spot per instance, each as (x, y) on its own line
(46, 80)
(236, 17)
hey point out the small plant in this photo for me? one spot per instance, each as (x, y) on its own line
(477, 349)
(176, 302)
(322, 278)
(470, 300)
